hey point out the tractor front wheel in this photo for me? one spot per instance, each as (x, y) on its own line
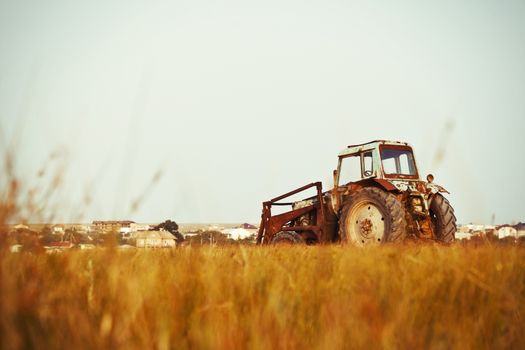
(287, 237)
(372, 216)
(443, 219)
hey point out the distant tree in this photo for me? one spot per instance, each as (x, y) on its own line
(30, 241)
(167, 225)
(46, 230)
(70, 235)
(46, 239)
(109, 240)
(81, 237)
(247, 240)
(120, 238)
(171, 227)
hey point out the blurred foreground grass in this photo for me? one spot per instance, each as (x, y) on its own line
(266, 297)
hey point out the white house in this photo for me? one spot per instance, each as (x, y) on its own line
(58, 229)
(134, 227)
(507, 231)
(239, 233)
(154, 239)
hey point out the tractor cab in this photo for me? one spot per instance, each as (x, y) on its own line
(379, 160)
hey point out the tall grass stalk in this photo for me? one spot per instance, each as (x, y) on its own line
(327, 297)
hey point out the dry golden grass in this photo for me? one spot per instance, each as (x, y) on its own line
(328, 297)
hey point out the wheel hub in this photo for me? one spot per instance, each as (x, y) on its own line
(366, 227)
(367, 224)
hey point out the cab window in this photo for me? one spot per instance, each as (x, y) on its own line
(368, 165)
(398, 162)
(350, 170)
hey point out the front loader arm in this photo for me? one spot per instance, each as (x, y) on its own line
(270, 225)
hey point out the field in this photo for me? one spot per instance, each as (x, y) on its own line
(328, 297)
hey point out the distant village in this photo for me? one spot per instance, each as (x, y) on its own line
(505, 233)
(128, 234)
(125, 234)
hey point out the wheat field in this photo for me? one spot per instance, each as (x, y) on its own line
(324, 297)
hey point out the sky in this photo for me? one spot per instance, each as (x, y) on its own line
(197, 111)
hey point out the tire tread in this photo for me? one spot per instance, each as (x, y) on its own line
(441, 207)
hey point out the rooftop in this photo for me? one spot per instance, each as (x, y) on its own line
(351, 149)
(154, 234)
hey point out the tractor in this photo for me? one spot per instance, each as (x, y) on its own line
(378, 197)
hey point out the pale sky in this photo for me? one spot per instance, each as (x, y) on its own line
(236, 102)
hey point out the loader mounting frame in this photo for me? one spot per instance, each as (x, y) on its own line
(271, 225)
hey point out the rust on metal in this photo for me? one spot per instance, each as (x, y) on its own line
(385, 184)
(271, 225)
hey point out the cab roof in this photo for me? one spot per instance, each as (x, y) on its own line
(352, 149)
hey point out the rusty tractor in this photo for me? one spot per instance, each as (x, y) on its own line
(377, 197)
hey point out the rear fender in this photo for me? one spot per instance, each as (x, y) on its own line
(373, 182)
(386, 185)
(341, 192)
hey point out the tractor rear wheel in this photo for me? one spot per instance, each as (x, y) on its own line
(287, 237)
(443, 219)
(372, 216)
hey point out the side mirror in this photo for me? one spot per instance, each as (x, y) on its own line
(430, 178)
